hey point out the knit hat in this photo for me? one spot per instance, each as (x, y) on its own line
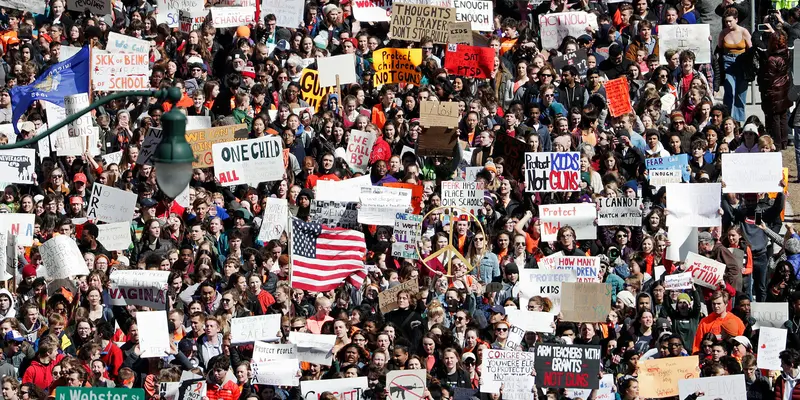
(626, 298)
(328, 8)
(249, 72)
(684, 297)
(490, 166)
(29, 271)
(243, 31)
(705, 237)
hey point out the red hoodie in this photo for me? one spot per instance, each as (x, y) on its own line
(113, 358)
(266, 300)
(40, 374)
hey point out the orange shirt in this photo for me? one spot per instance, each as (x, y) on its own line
(730, 324)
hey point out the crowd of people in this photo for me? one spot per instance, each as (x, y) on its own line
(56, 335)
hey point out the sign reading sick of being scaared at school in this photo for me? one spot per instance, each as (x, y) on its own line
(397, 66)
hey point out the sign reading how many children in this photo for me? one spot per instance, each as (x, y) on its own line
(552, 172)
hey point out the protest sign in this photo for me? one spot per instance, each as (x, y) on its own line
(461, 33)
(167, 15)
(511, 150)
(115, 71)
(740, 176)
(466, 195)
(202, 141)
(682, 281)
(274, 219)
(552, 172)
(62, 258)
(729, 387)
(413, 22)
(683, 240)
(585, 301)
(112, 158)
(153, 333)
(18, 226)
(261, 327)
(555, 27)
(169, 390)
(544, 283)
(17, 166)
(619, 97)
(149, 145)
(288, 13)
(342, 389)
(678, 162)
(115, 236)
(192, 387)
(197, 122)
(96, 7)
(250, 161)
(263, 352)
(586, 268)
(471, 173)
(342, 67)
(567, 366)
(406, 384)
(439, 113)
(32, 6)
(387, 299)
(772, 315)
(771, 342)
(74, 104)
(310, 89)
(313, 348)
(479, 13)
(469, 61)
(109, 204)
(396, 66)
(515, 336)
(406, 232)
(416, 194)
(229, 17)
(335, 214)
(680, 37)
(580, 216)
(372, 10)
(139, 287)
(348, 190)
(658, 378)
(192, 20)
(119, 43)
(512, 369)
(359, 147)
(277, 372)
(661, 177)
(623, 211)
(531, 321)
(380, 205)
(694, 204)
(705, 271)
(576, 58)
(96, 393)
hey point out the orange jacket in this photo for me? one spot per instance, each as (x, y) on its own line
(228, 391)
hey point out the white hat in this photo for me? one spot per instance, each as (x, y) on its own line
(750, 128)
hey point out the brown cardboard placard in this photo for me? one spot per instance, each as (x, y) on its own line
(387, 299)
(202, 139)
(585, 301)
(461, 32)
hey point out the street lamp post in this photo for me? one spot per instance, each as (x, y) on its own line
(173, 157)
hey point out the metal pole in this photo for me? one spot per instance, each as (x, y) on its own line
(752, 30)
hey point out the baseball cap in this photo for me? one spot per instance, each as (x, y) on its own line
(15, 336)
(147, 202)
(468, 355)
(76, 200)
(705, 237)
(79, 177)
(497, 309)
(750, 128)
(744, 341)
(282, 45)
(27, 126)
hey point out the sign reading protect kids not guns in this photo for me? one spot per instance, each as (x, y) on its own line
(619, 98)
(469, 61)
(552, 172)
(310, 89)
(397, 66)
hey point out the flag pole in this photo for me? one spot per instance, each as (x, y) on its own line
(289, 235)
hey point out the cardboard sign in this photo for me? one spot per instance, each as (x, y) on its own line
(567, 366)
(372, 10)
(202, 141)
(261, 327)
(96, 7)
(461, 33)
(149, 145)
(396, 66)
(552, 172)
(772, 315)
(465, 195)
(228, 17)
(407, 228)
(74, 104)
(694, 204)
(511, 369)
(740, 176)
(619, 97)
(335, 214)
(406, 384)
(413, 22)
(469, 61)
(580, 216)
(705, 271)
(342, 66)
(479, 13)
(116, 72)
(586, 269)
(771, 342)
(512, 151)
(62, 258)
(115, 236)
(555, 27)
(380, 205)
(154, 336)
(289, 13)
(250, 161)
(17, 166)
(139, 287)
(343, 389)
(310, 89)
(678, 162)
(658, 378)
(359, 147)
(119, 43)
(109, 204)
(313, 348)
(274, 220)
(585, 301)
(730, 387)
(192, 20)
(623, 211)
(387, 299)
(439, 113)
(577, 59)
(682, 281)
(544, 283)
(694, 37)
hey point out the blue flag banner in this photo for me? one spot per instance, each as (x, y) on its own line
(60, 80)
(679, 162)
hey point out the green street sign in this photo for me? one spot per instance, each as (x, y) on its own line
(84, 393)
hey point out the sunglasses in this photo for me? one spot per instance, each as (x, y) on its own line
(297, 328)
(501, 329)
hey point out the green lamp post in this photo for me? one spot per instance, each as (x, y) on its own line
(173, 157)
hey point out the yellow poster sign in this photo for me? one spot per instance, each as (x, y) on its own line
(311, 91)
(397, 66)
(201, 141)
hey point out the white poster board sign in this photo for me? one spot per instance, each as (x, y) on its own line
(406, 234)
(250, 161)
(730, 387)
(359, 147)
(261, 327)
(74, 104)
(682, 281)
(119, 43)
(277, 372)
(409, 382)
(479, 13)
(153, 333)
(772, 315)
(348, 190)
(316, 349)
(17, 166)
(116, 72)
(531, 321)
(694, 204)
(139, 287)
(380, 205)
(694, 37)
(62, 258)
(343, 66)
(273, 223)
(623, 211)
(463, 194)
(771, 342)
(511, 369)
(545, 283)
(705, 271)
(229, 17)
(289, 13)
(580, 216)
(263, 352)
(343, 388)
(740, 176)
(115, 236)
(96, 7)
(372, 10)
(109, 204)
(555, 27)
(19, 226)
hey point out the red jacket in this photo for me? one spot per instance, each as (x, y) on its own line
(780, 386)
(266, 300)
(380, 151)
(228, 391)
(113, 359)
(40, 374)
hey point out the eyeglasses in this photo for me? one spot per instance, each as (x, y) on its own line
(460, 318)
(548, 95)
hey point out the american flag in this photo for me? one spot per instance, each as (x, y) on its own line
(323, 258)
